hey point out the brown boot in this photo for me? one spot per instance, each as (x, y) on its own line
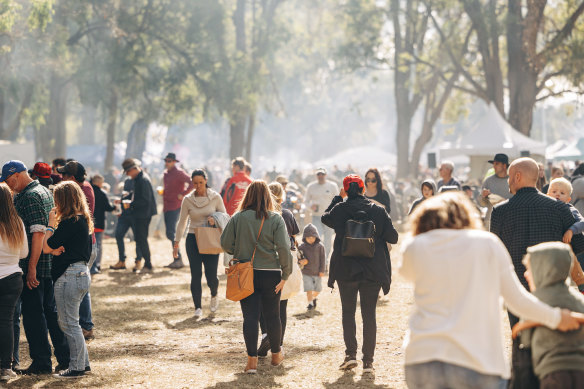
(252, 365)
(118, 266)
(138, 267)
(277, 358)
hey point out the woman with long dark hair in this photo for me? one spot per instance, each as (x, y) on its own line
(198, 208)
(68, 239)
(374, 189)
(359, 276)
(258, 231)
(13, 246)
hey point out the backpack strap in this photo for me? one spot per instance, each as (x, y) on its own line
(257, 240)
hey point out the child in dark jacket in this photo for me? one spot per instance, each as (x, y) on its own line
(313, 264)
(557, 357)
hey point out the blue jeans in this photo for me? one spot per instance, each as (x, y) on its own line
(10, 289)
(69, 291)
(170, 220)
(85, 316)
(98, 252)
(326, 236)
(442, 375)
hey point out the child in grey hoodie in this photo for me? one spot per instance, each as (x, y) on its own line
(557, 357)
(313, 264)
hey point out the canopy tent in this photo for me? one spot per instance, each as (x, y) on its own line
(491, 135)
(359, 158)
(570, 151)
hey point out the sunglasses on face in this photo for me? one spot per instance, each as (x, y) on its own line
(371, 180)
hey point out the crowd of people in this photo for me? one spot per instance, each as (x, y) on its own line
(465, 248)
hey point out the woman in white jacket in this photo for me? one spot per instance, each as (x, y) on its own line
(459, 272)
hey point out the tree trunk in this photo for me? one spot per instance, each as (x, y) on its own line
(10, 130)
(239, 23)
(237, 136)
(88, 125)
(111, 130)
(249, 138)
(54, 132)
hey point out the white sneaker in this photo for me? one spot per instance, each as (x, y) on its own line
(214, 304)
(7, 374)
(198, 313)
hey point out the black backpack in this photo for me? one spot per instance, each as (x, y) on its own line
(359, 240)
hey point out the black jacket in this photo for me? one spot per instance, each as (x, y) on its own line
(102, 205)
(344, 268)
(143, 205)
(529, 218)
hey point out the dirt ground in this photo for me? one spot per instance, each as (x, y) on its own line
(146, 336)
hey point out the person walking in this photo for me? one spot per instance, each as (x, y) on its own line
(33, 202)
(143, 206)
(13, 246)
(177, 184)
(234, 188)
(68, 238)
(374, 189)
(318, 196)
(102, 205)
(445, 171)
(199, 208)
(455, 338)
(356, 275)
(496, 185)
(258, 233)
(526, 219)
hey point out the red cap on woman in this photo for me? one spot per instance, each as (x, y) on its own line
(352, 178)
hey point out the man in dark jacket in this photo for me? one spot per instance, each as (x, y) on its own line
(143, 207)
(359, 276)
(527, 219)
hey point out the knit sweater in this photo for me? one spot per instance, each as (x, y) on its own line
(196, 210)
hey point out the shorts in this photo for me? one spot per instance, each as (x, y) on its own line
(312, 283)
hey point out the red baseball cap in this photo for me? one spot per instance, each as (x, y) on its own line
(42, 170)
(352, 178)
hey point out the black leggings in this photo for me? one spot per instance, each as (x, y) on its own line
(264, 299)
(264, 328)
(196, 261)
(368, 292)
(10, 288)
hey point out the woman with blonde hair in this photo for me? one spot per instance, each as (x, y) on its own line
(459, 272)
(258, 233)
(13, 246)
(68, 239)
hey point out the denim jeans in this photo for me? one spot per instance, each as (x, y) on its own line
(326, 236)
(69, 291)
(10, 288)
(85, 316)
(170, 220)
(442, 375)
(368, 292)
(124, 224)
(98, 252)
(39, 316)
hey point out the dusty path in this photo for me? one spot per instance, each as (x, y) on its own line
(147, 338)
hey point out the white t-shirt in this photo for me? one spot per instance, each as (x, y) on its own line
(321, 195)
(459, 277)
(9, 257)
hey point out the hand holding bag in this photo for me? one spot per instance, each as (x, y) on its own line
(208, 240)
(240, 275)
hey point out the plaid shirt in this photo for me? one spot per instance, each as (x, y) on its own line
(530, 218)
(33, 205)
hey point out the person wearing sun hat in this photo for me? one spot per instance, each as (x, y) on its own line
(495, 187)
(359, 276)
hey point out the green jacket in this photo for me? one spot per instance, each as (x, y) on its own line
(273, 251)
(551, 350)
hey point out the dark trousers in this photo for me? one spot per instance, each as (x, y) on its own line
(16, 323)
(283, 318)
(368, 293)
(39, 316)
(170, 220)
(125, 222)
(10, 289)
(141, 236)
(196, 262)
(522, 375)
(563, 379)
(264, 299)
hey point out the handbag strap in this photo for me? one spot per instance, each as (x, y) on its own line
(257, 240)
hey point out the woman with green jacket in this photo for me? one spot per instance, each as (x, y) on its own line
(272, 264)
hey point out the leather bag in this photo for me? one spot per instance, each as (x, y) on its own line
(240, 275)
(359, 240)
(208, 240)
